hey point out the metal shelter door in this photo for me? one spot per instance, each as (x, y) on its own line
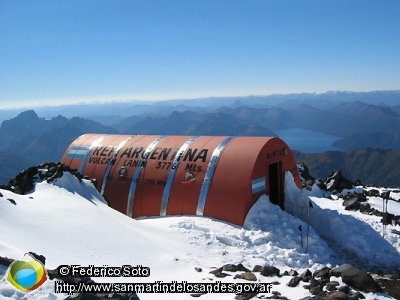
(275, 184)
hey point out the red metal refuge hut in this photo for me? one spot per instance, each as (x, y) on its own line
(215, 176)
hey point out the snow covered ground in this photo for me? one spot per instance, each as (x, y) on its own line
(69, 223)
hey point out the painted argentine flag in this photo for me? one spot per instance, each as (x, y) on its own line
(77, 152)
(258, 184)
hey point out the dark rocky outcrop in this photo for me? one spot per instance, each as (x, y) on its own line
(357, 278)
(269, 271)
(5, 261)
(247, 276)
(337, 296)
(337, 181)
(246, 296)
(25, 181)
(218, 273)
(390, 284)
(320, 283)
(294, 281)
(235, 268)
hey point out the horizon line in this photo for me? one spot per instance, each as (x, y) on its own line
(25, 105)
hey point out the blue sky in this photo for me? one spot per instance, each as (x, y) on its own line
(59, 52)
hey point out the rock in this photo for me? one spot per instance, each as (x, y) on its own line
(294, 281)
(257, 268)
(387, 218)
(337, 296)
(235, 268)
(218, 273)
(12, 201)
(355, 206)
(385, 195)
(352, 200)
(39, 257)
(79, 176)
(246, 275)
(371, 193)
(376, 212)
(293, 273)
(331, 286)
(304, 172)
(390, 285)
(324, 280)
(357, 296)
(331, 184)
(321, 184)
(337, 181)
(357, 278)
(351, 203)
(306, 276)
(334, 283)
(198, 269)
(219, 270)
(5, 261)
(306, 273)
(360, 196)
(53, 274)
(269, 271)
(57, 174)
(308, 184)
(25, 181)
(344, 183)
(344, 289)
(197, 295)
(324, 272)
(316, 290)
(365, 209)
(246, 296)
(314, 282)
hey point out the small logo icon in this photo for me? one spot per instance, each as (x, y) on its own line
(27, 273)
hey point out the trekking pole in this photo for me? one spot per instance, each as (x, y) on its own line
(301, 236)
(308, 221)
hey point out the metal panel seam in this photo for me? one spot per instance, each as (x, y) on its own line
(94, 144)
(171, 175)
(209, 175)
(136, 176)
(111, 163)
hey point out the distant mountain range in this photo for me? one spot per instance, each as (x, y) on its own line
(191, 123)
(38, 140)
(115, 111)
(42, 140)
(361, 124)
(370, 166)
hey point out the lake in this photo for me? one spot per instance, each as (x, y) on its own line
(308, 141)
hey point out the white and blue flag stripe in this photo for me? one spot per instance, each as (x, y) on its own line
(258, 185)
(78, 152)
